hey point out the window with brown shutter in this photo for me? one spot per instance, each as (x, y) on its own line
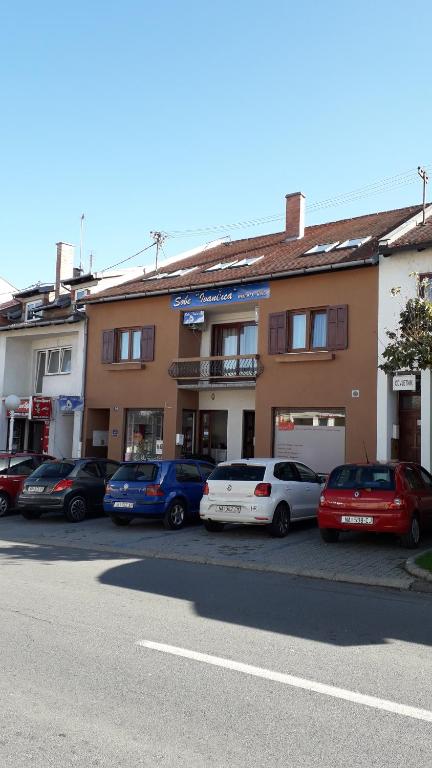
(277, 339)
(147, 343)
(108, 343)
(337, 327)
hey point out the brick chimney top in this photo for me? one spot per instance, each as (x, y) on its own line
(295, 215)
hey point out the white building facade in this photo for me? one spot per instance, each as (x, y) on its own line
(403, 403)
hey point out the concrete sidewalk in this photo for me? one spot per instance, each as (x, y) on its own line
(357, 558)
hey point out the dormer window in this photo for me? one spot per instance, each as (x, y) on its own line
(32, 309)
(321, 248)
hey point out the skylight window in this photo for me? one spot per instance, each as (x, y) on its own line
(247, 262)
(321, 248)
(355, 242)
(178, 273)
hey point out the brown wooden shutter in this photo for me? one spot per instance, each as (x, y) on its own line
(108, 339)
(277, 340)
(147, 342)
(337, 327)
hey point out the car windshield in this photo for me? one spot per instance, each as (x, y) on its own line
(250, 472)
(54, 469)
(137, 473)
(355, 476)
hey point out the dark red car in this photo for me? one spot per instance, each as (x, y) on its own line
(392, 497)
(14, 468)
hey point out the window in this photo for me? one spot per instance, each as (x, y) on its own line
(144, 428)
(352, 476)
(187, 473)
(138, 473)
(235, 339)
(21, 466)
(304, 330)
(308, 330)
(31, 308)
(285, 471)
(427, 479)
(413, 479)
(321, 248)
(80, 293)
(108, 468)
(425, 286)
(355, 242)
(206, 470)
(306, 474)
(123, 345)
(51, 362)
(243, 472)
(90, 469)
(54, 469)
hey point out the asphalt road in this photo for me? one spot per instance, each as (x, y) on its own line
(80, 687)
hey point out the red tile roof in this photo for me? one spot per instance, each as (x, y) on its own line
(279, 255)
(419, 235)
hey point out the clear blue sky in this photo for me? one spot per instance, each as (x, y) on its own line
(178, 115)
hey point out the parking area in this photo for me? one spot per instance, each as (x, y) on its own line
(357, 558)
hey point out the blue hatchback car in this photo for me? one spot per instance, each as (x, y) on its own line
(169, 490)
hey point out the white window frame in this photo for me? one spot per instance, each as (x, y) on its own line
(59, 372)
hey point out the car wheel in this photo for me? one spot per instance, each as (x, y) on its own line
(4, 504)
(30, 514)
(174, 517)
(76, 509)
(117, 520)
(411, 539)
(213, 526)
(329, 535)
(280, 524)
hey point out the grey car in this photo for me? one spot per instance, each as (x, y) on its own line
(72, 486)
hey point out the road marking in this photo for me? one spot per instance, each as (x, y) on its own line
(295, 682)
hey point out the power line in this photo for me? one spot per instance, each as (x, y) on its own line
(378, 187)
(105, 269)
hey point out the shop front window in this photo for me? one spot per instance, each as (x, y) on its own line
(144, 434)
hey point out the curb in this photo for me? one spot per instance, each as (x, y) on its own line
(368, 581)
(414, 570)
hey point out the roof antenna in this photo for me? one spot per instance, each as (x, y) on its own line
(81, 240)
(425, 178)
(366, 453)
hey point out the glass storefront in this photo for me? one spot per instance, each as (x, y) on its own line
(144, 434)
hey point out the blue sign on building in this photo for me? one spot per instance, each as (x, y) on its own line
(68, 404)
(227, 294)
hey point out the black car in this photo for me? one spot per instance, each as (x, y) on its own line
(72, 486)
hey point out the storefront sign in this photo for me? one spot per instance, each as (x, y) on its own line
(69, 404)
(221, 295)
(404, 383)
(23, 408)
(41, 407)
(191, 318)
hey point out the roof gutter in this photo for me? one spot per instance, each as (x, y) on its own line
(372, 261)
(42, 324)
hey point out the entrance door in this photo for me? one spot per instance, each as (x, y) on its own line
(409, 427)
(35, 439)
(248, 450)
(213, 434)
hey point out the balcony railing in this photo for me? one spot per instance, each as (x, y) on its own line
(228, 367)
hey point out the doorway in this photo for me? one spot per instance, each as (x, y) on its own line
(248, 450)
(409, 427)
(213, 434)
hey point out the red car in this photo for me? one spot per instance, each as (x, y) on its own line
(392, 497)
(14, 468)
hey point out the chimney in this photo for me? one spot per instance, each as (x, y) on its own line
(64, 265)
(295, 215)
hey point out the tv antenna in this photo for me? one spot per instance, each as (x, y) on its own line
(159, 239)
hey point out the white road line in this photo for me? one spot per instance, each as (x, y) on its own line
(295, 682)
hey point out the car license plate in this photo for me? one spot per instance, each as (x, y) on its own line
(357, 519)
(124, 504)
(36, 488)
(228, 508)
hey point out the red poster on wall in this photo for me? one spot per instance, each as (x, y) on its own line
(285, 424)
(23, 408)
(41, 407)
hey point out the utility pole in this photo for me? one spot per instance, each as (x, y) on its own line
(425, 178)
(159, 238)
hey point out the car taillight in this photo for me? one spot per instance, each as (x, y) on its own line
(154, 490)
(206, 490)
(63, 485)
(397, 503)
(263, 489)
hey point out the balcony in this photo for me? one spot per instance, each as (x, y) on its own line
(217, 370)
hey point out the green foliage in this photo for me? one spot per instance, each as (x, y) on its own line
(410, 346)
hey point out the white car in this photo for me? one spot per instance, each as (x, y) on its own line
(270, 492)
